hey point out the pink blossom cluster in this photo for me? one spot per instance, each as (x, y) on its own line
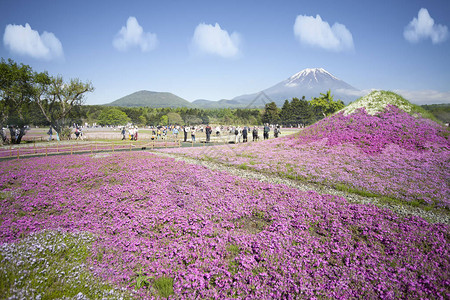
(85, 147)
(372, 133)
(390, 154)
(221, 236)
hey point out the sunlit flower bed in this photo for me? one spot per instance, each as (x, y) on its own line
(221, 236)
(43, 149)
(392, 154)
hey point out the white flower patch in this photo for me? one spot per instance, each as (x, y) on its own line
(376, 102)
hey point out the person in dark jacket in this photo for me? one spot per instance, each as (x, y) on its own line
(266, 131)
(255, 133)
(244, 134)
(208, 133)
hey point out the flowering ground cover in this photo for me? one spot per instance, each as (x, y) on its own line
(167, 228)
(68, 147)
(391, 154)
(52, 265)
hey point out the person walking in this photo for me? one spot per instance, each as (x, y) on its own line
(131, 133)
(186, 131)
(50, 133)
(208, 133)
(244, 134)
(237, 135)
(193, 134)
(255, 133)
(158, 133)
(77, 133)
(266, 131)
(123, 133)
(276, 131)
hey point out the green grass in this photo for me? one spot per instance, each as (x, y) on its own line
(164, 286)
(52, 265)
(419, 203)
(348, 189)
(233, 267)
(243, 166)
(233, 249)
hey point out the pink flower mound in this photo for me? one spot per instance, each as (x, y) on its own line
(391, 154)
(372, 133)
(220, 236)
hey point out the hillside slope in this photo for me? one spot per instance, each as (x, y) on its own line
(151, 99)
(391, 154)
(377, 101)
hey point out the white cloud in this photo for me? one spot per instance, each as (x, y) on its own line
(315, 32)
(214, 40)
(423, 27)
(425, 96)
(355, 93)
(133, 35)
(25, 41)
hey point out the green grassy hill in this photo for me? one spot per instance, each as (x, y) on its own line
(440, 111)
(151, 99)
(377, 101)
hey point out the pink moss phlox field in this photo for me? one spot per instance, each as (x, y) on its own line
(391, 154)
(221, 236)
(53, 149)
(372, 133)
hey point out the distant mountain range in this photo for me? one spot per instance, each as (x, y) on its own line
(309, 83)
(151, 99)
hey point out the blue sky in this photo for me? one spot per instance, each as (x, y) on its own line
(222, 49)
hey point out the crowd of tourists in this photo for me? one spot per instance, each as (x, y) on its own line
(237, 134)
(76, 129)
(190, 133)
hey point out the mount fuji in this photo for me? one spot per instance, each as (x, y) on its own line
(308, 82)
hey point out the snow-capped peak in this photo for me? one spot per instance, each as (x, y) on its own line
(313, 72)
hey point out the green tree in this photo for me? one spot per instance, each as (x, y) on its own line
(136, 114)
(164, 120)
(271, 114)
(286, 115)
(113, 116)
(15, 95)
(152, 117)
(302, 111)
(57, 99)
(192, 120)
(326, 105)
(174, 119)
(90, 113)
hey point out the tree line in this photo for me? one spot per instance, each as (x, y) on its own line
(294, 112)
(301, 111)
